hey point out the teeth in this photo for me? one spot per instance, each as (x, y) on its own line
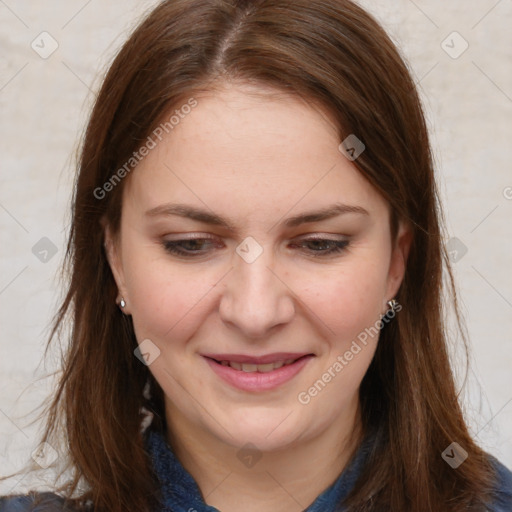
(262, 368)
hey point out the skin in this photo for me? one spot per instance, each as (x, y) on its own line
(256, 159)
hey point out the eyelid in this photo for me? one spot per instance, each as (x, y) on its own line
(320, 239)
(323, 236)
(189, 236)
(205, 236)
(338, 246)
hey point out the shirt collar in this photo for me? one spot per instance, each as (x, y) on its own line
(180, 492)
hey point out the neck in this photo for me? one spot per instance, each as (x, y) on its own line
(284, 480)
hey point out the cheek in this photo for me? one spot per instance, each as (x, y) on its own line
(347, 300)
(165, 300)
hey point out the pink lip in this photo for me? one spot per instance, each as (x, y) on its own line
(256, 381)
(268, 358)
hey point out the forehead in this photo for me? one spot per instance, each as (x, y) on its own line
(256, 147)
(248, 124)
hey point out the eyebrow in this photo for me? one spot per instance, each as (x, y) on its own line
(207, 217)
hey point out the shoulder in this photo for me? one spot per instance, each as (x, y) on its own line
(34, 502)
(503, 488)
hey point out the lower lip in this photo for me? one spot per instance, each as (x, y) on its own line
(256, 381)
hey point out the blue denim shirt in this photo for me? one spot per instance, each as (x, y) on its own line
(181, 493)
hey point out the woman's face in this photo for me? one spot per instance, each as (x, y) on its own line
(254, 257)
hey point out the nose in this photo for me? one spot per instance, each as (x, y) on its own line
(256, 298)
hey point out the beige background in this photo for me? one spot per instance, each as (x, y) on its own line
(44, 103)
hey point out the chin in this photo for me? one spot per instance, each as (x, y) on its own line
(266, 429)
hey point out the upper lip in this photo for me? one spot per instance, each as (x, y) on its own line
(267, 358)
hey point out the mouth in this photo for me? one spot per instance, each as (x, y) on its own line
(255, 367)
(257, 373)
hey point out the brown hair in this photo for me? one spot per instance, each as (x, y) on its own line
(335, 54)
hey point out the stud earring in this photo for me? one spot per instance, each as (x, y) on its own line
(388, 316)
(122, 303)
(392, 305)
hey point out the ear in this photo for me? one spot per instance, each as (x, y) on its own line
(398, 262)
(114, 258)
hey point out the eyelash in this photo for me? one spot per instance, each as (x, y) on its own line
(175, 246)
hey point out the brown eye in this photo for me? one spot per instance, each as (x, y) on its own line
(322, 246)
(189, 247)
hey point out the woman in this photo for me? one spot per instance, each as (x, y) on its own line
(256, 273)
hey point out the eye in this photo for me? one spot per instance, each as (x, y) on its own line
(195, 247)
(321, 247)
(190, 247)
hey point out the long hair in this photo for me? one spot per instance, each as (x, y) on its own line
(335, 54)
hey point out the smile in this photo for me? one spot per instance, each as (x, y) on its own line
(262, 368)
(257, 373)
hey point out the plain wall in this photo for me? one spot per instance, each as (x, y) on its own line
(44, 104)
